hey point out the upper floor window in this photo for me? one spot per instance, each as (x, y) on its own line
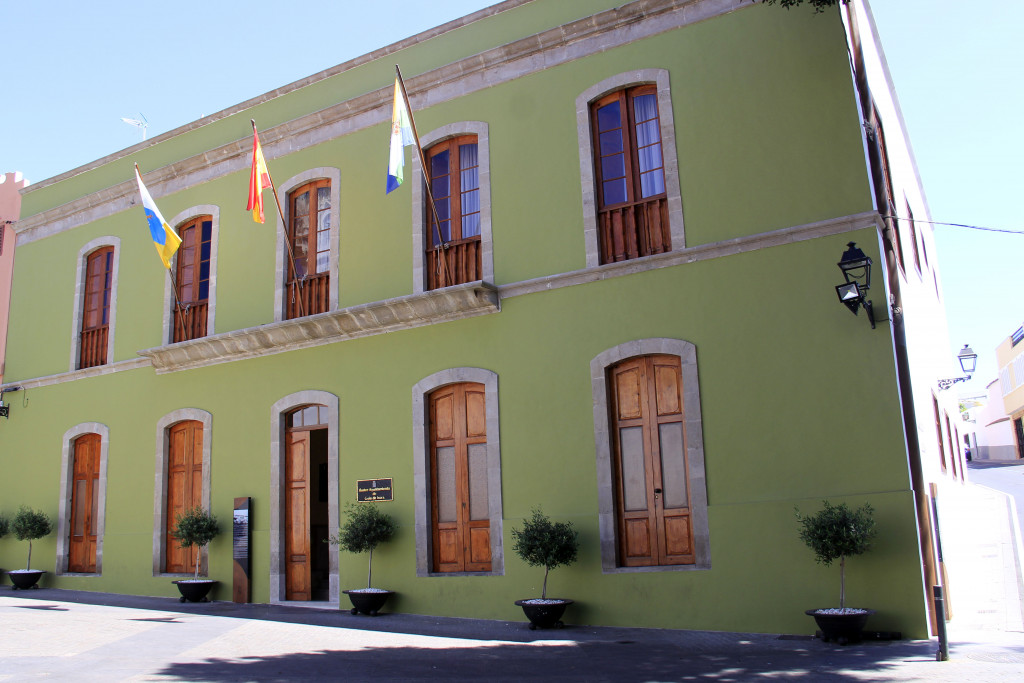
(193, 279)
(632, 205)
(453, 236)
(630, 175)
(95, 331)
(455, 247)
(309, 237)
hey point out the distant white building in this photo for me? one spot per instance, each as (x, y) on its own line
(994, 429)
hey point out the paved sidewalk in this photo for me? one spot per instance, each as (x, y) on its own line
(66, 635)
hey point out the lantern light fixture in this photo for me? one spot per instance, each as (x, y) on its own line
(856, 269)
(968, 363)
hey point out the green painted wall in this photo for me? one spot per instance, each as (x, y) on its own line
(768, 138)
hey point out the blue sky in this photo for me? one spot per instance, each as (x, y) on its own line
(72, 70)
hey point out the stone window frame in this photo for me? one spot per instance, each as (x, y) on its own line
(67, 471)
(281, 250)
(188, 214)
(77, 312)
(278, 414)
(160, 489)
(607, 523)
(419, 199)
(421, 467)
(585, 141)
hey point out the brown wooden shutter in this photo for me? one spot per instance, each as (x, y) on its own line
(184, 488)
(298, 579)
(651, 470)
(84, 504)
(459, 495)
(96, 308)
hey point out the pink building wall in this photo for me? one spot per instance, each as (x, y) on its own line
(10, 210)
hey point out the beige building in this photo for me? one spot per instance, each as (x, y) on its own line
(10, 208)
(1010, 360)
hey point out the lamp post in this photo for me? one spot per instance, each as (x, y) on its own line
(968, 362)
(856, 269)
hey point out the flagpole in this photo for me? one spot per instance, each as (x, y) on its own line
(423, 164)
(174, 286)
(177, 305)
(287, 237)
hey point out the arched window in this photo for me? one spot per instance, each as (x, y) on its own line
(309, 236)
(632, 205)
(96, 303)
(453, 236)
(455, 249)
(192, 278)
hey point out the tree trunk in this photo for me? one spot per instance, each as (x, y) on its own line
(544, 590)
(29, 564)
(198, 551)
(369, 571)
(842, 581)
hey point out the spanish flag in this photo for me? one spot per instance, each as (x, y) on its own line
(164, 237)
(259, 178)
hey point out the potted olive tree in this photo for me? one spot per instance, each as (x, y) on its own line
(195, 527)
(543, 543)
(366, 527)
(29, 525)
(833, 533)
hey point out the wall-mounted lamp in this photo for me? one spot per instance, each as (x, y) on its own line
(968, 362)
(5, 410)
(856, 268)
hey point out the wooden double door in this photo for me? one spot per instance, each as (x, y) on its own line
(307, 565)
(85, 487)
(650, 465)
(461, 528)
(184, 490)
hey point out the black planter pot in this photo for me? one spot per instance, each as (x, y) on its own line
(544, 615)
(841, 628)
(25, 579)
(194, 591)
(367, 602)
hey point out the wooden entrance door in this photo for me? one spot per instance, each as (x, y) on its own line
(458, 464)
(296, 523)
(184, 488)
(651, 470)
(85, 490)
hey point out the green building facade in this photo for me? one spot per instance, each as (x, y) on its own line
(710, 367)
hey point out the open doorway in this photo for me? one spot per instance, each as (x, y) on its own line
(306, 505)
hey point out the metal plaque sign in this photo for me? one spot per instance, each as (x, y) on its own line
(240, 536)
(373, 490)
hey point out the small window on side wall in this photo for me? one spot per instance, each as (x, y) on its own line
(453, 255)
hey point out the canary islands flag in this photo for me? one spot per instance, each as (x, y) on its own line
(401, 135)
(164, 237)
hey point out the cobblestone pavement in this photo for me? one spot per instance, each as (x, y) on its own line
(51, 634)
